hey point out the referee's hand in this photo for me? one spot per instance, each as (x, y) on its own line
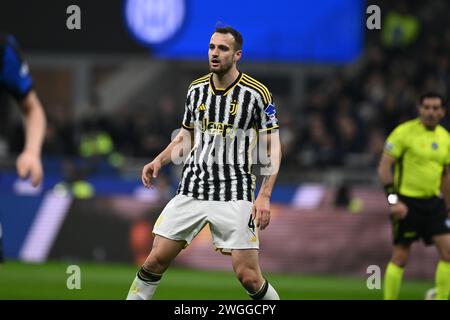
(149, 172)
(398, 210)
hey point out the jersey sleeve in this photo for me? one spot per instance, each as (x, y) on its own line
(395, 143)
(266, 115)
(188, 118)
(447, 160)
(14, 74)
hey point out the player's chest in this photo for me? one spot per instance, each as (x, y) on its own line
(223, 111)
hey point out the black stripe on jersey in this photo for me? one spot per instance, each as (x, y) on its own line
(239, 180)
(226, 172)
(205, 180)
(188, 177)
(187, 119)
(245, 115)
(195, 102)
(247, 150)
(183, 180)
(215, 183)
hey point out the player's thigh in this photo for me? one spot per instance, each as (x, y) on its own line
(181, 219)
(232, 225)
(164, 250)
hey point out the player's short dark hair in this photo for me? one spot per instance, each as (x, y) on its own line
(238, 40)
(431, 94)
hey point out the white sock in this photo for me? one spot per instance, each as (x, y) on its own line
(141, 290)
(271, 294)
(266, 292)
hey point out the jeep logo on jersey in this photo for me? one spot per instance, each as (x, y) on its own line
(388, 146)
(218, 128)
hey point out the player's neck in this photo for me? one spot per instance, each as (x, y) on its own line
(226, 79)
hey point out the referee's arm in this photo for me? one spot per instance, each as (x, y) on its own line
(445, 187)
(398, 210)
(385, 169)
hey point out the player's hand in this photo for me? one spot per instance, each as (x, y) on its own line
(150, 172)
(398, 210)
(261, 212)
(29, 164)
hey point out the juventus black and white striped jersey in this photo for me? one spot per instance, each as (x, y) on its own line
(226, 124)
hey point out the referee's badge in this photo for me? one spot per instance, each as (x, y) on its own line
(434, 145)
(388, 146)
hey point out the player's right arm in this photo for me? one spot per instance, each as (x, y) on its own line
(393, 149)
(180, 145)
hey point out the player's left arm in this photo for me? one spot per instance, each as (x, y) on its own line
(445, 187)
(261, 207)
(29, 161)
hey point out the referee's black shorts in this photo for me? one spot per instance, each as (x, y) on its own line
(426, 218)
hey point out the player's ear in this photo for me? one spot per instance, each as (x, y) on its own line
(237, 55)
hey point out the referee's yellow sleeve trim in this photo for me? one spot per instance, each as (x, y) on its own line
(187, 127)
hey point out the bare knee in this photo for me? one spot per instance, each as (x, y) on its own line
(155, 264)
(400, 257)
(444, 254)
(250, 279)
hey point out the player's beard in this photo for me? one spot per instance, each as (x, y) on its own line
(224, 68)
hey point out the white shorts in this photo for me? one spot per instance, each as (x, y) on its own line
(230, 222)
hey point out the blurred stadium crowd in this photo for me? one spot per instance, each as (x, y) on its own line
(342, 120)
